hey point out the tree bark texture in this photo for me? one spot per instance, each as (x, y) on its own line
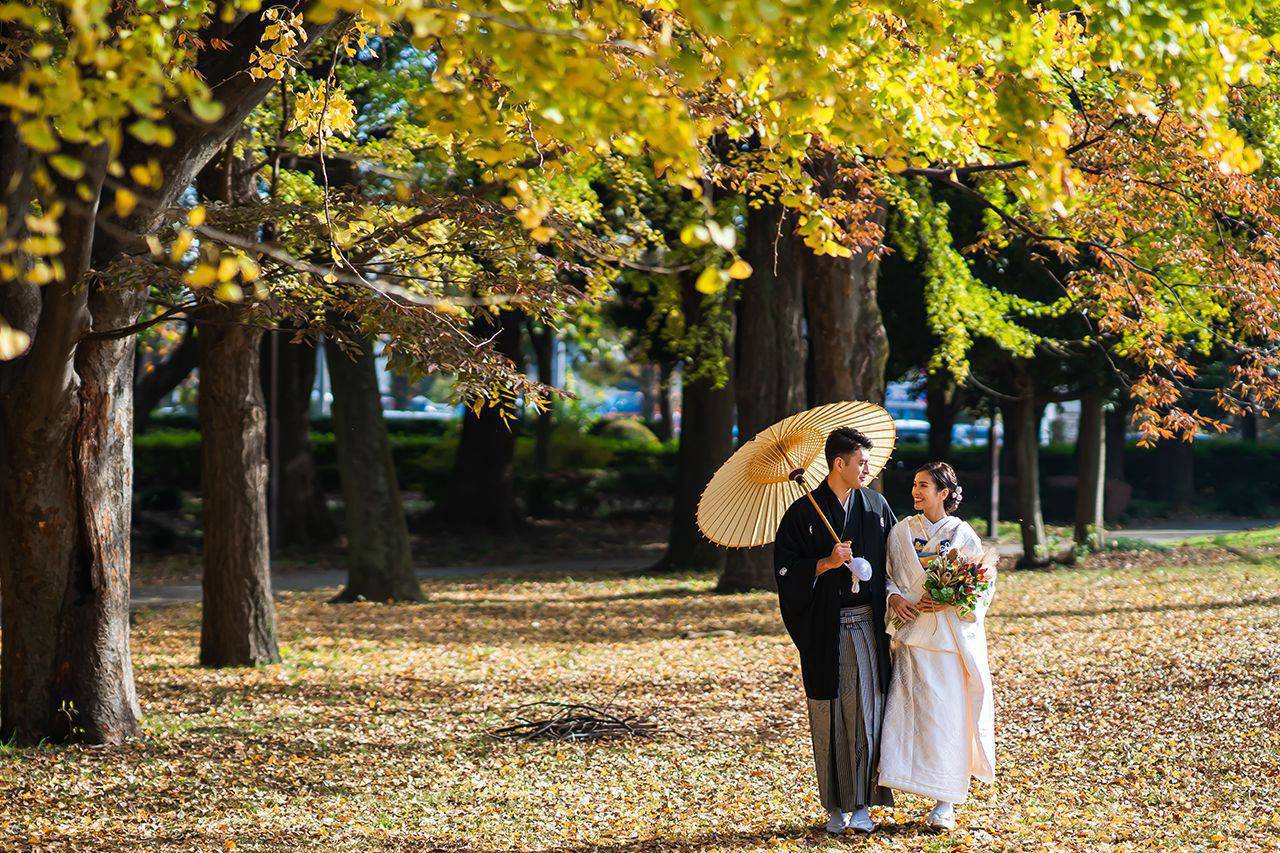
(941, 408)
(65, 517)
(1026, 455)
(303, 515)
(238, 621)
(706, 440)
(379, 561)
(483, 490)
(1091, 461)
(849, 347)
(769, 362)
(66, 441)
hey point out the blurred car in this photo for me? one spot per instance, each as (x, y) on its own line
(911, 429)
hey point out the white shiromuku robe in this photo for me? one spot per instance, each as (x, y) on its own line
(939, 724)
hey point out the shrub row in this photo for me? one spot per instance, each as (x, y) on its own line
(603, 474)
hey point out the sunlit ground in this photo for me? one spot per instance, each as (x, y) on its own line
(1135, 708)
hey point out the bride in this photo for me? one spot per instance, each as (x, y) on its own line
(939, 722)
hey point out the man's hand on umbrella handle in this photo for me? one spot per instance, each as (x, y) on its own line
(840, 554)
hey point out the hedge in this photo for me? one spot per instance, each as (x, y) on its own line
(600, 475)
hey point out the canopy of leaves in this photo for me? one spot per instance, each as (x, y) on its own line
(470, 130)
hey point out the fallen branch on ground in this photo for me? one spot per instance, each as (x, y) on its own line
(578, 722)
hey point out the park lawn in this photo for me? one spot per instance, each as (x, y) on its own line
(1137, 707)
(1261, 537)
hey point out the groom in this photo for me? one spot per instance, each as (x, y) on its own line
(837, 624)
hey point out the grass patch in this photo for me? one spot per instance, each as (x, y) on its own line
(1262, 537)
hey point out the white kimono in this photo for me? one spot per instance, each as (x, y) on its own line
(939, 722)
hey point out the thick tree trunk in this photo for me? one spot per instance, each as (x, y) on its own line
(483, 491)
(379, 562)
(66, 442)
(1026, 453)
(1091, 463)
(706, 440)
(66, 476)
(849, 347)
(238, 620)
(152, 385)
(769, 364)
(941, 394)
(302, 515)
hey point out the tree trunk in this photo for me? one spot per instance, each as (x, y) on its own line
(150, 387)
(648, 381)
(483, 491)
(400, 391)
(66, 442)
(706, 439)
(995, 439)
(1026, 453)
(1091, 473)
(238, 621)
(1249, 426)
(849, 347)
(302, 518)
(1177, 472)
(1117, 426)
(941, 407)
(666, 419)
(544, 342)
(65, 515)
(379, 563)
(540, 498)
(769, 364)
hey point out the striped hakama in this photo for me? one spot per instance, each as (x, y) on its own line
(846, 730)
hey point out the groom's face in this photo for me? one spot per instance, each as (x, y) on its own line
(854, 470)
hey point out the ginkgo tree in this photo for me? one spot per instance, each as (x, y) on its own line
(112, 109)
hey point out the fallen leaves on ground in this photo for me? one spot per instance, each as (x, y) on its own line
(1137, 707)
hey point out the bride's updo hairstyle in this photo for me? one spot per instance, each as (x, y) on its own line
(944, 477)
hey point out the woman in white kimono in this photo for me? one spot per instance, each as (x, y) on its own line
(939, 725)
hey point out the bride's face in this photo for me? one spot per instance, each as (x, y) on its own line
(925, 494)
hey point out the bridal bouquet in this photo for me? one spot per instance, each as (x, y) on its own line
(958, 580)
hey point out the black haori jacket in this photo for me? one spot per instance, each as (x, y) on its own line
(811, 611)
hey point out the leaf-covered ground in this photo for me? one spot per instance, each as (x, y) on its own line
(1137, 706)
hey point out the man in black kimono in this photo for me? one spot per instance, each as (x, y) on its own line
(837, 624)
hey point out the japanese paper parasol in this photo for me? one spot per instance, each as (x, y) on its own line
(744, 502)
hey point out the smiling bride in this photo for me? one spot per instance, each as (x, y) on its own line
(939, 721)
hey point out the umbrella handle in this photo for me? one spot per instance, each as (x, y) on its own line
(823, 516)
(797, 476)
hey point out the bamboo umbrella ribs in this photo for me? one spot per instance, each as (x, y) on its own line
(745, 500)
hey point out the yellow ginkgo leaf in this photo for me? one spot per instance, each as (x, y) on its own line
(13, 342)
(202, 276)
(126, 201)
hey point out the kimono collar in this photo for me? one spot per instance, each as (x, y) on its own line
(933, 527)
(825, 491)
(841, 520)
